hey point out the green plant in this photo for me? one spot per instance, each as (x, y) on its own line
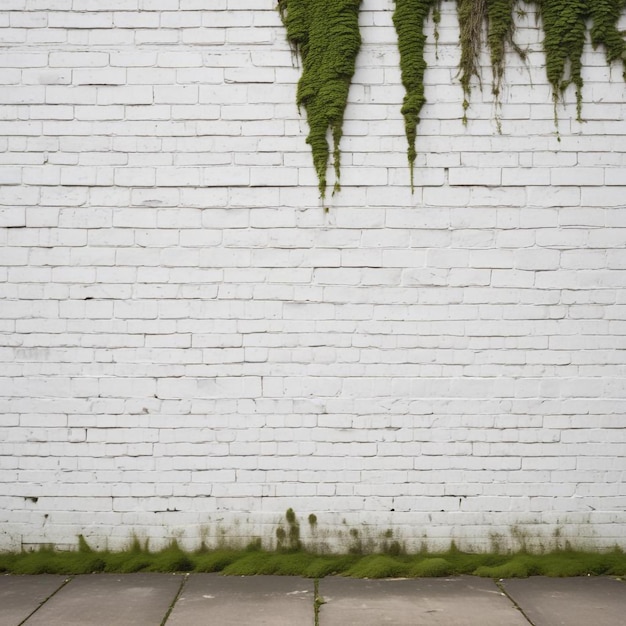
(249, 562)
(430, 567)
(325, 36)
(409, 19)
(378, 566)
(565, 25)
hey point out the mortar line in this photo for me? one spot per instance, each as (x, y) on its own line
(515, 604)
(65, 582)
(173, 603)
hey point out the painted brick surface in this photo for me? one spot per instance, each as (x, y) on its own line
(189, 344)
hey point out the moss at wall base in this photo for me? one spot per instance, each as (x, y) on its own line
(253, 561)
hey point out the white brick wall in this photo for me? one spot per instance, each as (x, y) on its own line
(190, 345)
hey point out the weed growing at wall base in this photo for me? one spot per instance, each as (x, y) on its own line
(254, 561)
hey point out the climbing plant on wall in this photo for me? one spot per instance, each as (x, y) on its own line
(565, 26)
(325, 36)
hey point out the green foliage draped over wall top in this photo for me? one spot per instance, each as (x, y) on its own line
(325, 35)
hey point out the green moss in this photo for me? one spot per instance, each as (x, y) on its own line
(302, 563)
(572, 563)
(378, 566)
(7, 561)
(289, 540)
(605, 15)
(83, 546)
(329, 565)
(295, 564)
(392, 548)
(436, 22)
(409, 19)
(565, 28)
(124, 563)
(466, 563)
(430, 567)
(248, 565)
(215, 561)
(171, 559)
(565, 25)
(254, 545)
(500, 31)
(356, 543)
(518, 567)
(472, 14)
(325, 35)
(48, 561)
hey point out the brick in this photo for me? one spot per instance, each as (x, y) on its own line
(78, 59)
(21, 95)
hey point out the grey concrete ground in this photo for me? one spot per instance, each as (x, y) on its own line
(232, 601)
(199, 599)
(440, 601)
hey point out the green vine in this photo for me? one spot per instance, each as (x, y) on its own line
(500, 32)
(325, 35)
(473, 15)
(605, 15)
(436, 22)
(565, 26)
(409, 19)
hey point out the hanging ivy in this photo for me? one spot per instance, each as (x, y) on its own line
(565, 28)
(565, 25)
(497, 16)
(500, 32)
(325, 35)
(472, 14)
(409, 19)
(605, 15)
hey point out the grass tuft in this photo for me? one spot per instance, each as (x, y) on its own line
(330, 565)
(215, 561)
(172, 559)
(430, 567)
(378, 566)
(518, 567)
(253, 560)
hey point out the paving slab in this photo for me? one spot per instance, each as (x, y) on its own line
(459, 601)
(21, 595)
(111, 600)
(242, 601)
(582, 601)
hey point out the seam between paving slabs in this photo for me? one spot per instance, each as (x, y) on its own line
(317, 601)
(65, 582)
(515, 604)
(175, 600)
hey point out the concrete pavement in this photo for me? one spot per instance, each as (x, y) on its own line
(210, 599)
